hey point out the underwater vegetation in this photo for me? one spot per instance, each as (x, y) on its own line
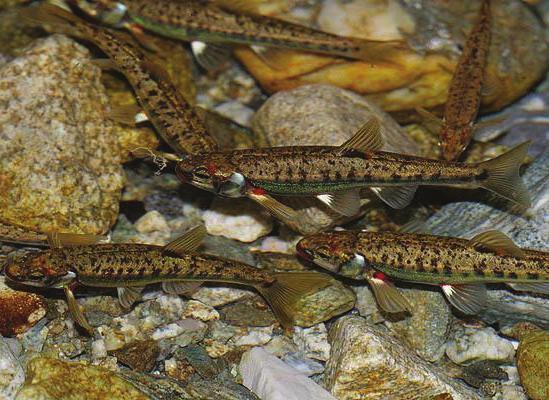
(225, 199)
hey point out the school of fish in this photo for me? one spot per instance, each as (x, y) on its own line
(332, 174)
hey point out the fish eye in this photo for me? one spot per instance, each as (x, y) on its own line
(235, 186)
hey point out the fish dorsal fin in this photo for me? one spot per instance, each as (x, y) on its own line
(187, 243)
(345, 203)
(469, 299)
(497, 242)
(210, 56)
(397, 197)
(240, 6)
(57, 239)
(367, 139)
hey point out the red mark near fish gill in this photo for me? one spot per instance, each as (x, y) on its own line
(211, 167)
(259, 191)
(380, 275)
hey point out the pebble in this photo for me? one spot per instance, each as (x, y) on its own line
(367, 362)
(272, 379)
(479, 344)
(139, 355)
(152, 221)
(12, 375)
(220, 296)
(237, 219)
(59, 156)
(313, 341)
(256, 336)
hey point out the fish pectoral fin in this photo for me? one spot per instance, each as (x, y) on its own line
(129, 295)
(388, 297)
(346, 202)
(503, 175)
(275, 207)
(76, 311)
(58, 240)
(210, 56)
(129, 115)
(469, 298)
(429, 120)
(367, 139)
(274, 58)
(189, 242)
(181, 288)
(497, 242)
(397, 197)
(287, 289)
(536, 287)
(104, 63)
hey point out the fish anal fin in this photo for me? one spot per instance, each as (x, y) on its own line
(287, 289)
(388, 297)
(397, 197)
(129, 295)
(346, 202)
(275, 207)
(181, 288)
(469, 299)
(210, 56)
(367, 139)
(57, 239)
(503, 175)
(536, 287)
(496, 242)
(186, 243)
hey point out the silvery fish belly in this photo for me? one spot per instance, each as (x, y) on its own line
(460, 267)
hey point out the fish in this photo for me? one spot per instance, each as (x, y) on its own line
(460, 267)
(177, 122)
(16, 234)
(230, 22)
(177, 266)
(465, 92)
(335, 174)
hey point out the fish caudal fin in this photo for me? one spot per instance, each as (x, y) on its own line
(503, 175)
(287, 289)
(59, 19)
(469, 299)
(536, 287)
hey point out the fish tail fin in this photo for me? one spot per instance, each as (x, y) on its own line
(288, 287)
(503, 175)
(58, 18)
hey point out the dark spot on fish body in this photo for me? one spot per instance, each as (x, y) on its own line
(532, 275)
(498, 273)
(512, 275)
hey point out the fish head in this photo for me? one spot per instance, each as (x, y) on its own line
(109, 12)
(214, 173)
(36, 268)
(335, 251)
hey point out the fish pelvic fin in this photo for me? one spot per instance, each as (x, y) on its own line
(536, 287)
(58, 18)
(287, 289)
(470, 299)
(503, 175)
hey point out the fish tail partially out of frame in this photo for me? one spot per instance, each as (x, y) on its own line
(287, 289)
(503, 175)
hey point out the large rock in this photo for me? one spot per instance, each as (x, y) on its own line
(366, 362)
(59, 159)
(49, 379)
(532, 361)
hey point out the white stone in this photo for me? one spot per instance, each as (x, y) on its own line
(272, 379)
(479, 344)
(238, 219)
(313, 341)
(12, 375)
(219, 296)
(152, 221)
(98, 349)
(511, 392)
(197, 310)
(256, 336)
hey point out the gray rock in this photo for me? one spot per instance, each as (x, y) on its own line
(473, 345)
(12, 375)
(322, 115)
(465, 219)
(59, 156)
(366, 362)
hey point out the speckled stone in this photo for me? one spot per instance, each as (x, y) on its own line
(59, 159)
(139, 355)
(366, 362)
(532, 361)
(19, 311)
(55, 379)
